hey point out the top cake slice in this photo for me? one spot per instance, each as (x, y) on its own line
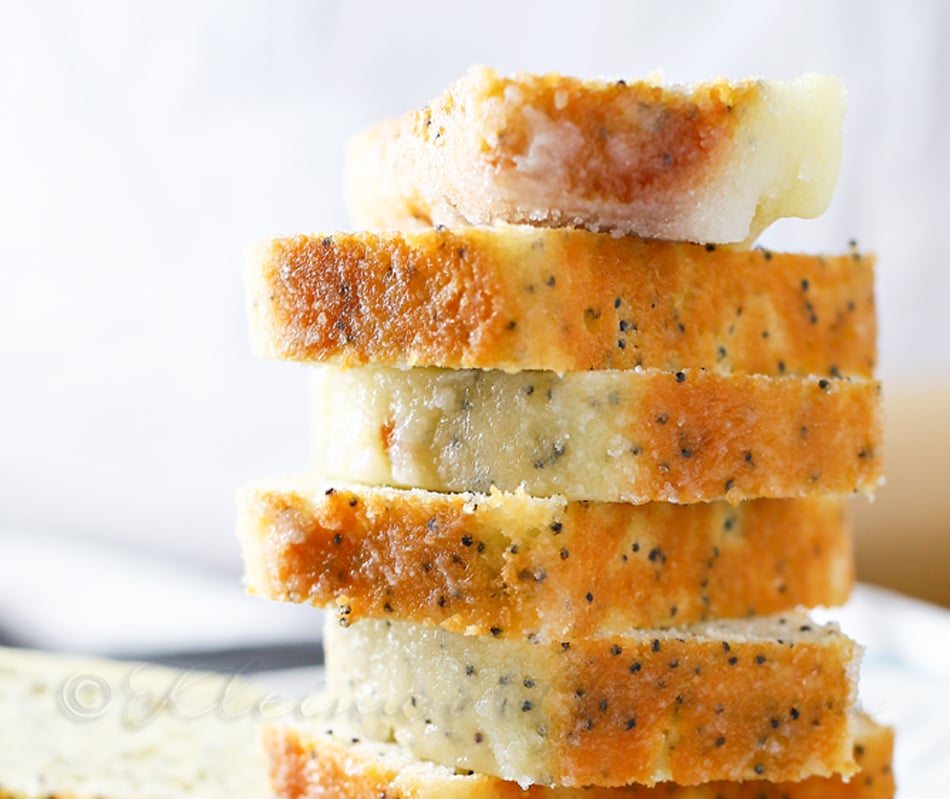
(714, 162)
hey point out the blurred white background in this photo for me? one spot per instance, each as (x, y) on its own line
(143, 146)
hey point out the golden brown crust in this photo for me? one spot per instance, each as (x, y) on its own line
(709, 163)
(517, 298)
(747, 700)
(306, 764)
(471, 563)
(613, 436)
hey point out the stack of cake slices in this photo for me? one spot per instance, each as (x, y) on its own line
(578, 466)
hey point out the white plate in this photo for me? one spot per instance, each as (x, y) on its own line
(905, 681)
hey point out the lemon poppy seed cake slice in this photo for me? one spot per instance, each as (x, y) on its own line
(317, 761)
(617, 436)
(519, 566)
(715, 162)
(517, 298)
(763, 698)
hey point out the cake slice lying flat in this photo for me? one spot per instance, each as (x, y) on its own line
(616, 436)
(312, 762)
(516, 298)
(763, 698)
(526, 566)
(95, 729)
(716, 162)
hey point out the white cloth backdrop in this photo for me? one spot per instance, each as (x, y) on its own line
(143, 145)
